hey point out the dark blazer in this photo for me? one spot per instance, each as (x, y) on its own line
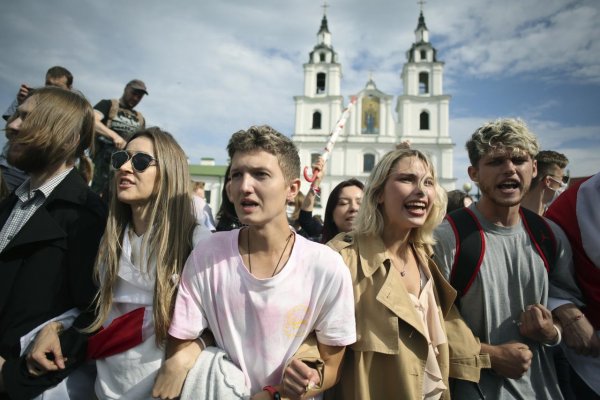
(46, 270)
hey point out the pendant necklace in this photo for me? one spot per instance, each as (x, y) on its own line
(287, 241)
(403, 272)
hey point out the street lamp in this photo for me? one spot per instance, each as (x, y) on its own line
(467, 187)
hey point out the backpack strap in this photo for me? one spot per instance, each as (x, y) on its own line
(470, 248)
(541, 236)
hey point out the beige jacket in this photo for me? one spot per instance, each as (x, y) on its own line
(388, 359)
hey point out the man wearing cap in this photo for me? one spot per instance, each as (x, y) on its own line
(116, 121)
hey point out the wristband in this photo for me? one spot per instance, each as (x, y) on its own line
(558, 338)
(203, 343)
(273, 392)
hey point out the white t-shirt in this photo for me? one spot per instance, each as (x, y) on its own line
(261, 323)
(131, 374)
(203, 213)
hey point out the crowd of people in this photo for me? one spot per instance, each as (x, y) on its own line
(120, 284)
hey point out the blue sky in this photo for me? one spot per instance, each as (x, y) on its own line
(213, 68)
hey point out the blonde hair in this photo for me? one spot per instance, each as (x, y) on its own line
(61, 124)
(511, 134)
(168, 239)
(369, 220)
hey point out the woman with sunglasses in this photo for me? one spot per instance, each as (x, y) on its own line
(402, 301)
(150, 232)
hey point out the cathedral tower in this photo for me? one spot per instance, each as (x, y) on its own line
(372, 129)
(423, 108)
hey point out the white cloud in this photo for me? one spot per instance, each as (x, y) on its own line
(509, 38)
(213, 68)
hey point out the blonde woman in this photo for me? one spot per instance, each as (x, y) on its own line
(401, 299)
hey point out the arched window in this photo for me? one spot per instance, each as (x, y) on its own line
(424, 121)
(316, 122)
(423, 55)
(368, 162)
(423, 83)
(321, 82)
(322, 57)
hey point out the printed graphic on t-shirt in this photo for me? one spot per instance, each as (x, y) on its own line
(125, 123)
(296, 324)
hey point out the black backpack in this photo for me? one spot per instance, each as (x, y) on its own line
(470, 245)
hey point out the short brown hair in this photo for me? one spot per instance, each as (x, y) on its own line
(58, 72)
(267, 139)
(547, 160)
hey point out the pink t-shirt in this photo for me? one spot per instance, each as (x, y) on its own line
(261, 323)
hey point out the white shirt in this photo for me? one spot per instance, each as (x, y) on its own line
(131, 374)
(261, 323)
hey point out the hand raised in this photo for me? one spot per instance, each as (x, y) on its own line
(24, 90)
(119, 142)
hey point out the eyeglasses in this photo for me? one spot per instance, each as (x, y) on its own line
(140, 161)
(565, 180)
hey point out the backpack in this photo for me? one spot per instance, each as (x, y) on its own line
(470, 245)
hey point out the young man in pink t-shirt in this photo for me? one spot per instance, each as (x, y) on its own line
(262, 289)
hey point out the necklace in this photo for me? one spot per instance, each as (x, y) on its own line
(287, 241)
(403, 272)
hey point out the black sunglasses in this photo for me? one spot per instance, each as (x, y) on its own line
(140, 161)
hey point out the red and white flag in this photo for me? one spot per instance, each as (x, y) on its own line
(123, 333)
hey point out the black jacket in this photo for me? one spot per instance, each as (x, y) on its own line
(46, 270)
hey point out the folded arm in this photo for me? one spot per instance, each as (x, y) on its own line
(181, 355)
(302, 381)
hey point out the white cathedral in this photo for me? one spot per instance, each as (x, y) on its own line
(372, 129)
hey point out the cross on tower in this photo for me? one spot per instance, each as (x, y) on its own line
(421, 3)
(325, 6)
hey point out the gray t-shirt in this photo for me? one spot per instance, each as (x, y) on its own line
(512, 276)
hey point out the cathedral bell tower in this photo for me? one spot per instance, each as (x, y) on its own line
(423, 108)
(321, 105)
